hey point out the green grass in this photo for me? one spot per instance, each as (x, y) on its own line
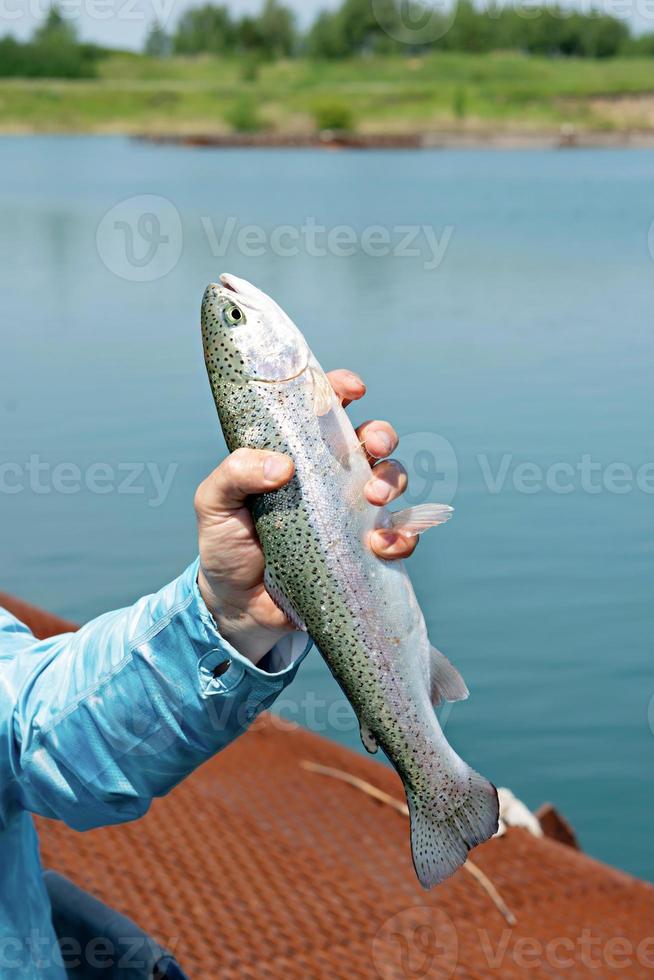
(392, 94)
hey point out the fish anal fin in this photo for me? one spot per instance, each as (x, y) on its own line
(280, 600)
(417, 520)
(446, 682)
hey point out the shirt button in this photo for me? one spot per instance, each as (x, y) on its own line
(219, 673)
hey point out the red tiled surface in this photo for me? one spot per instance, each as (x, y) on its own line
(41, 623)
(256, 868)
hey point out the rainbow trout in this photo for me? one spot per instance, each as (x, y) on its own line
(360, 611)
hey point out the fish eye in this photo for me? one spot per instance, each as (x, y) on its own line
(235, 315)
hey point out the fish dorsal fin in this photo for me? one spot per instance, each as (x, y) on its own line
(416, 520)
(446, 682)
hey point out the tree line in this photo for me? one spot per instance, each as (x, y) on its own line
(210, 29)
(52, 52)
(356, 28)
(360, 27)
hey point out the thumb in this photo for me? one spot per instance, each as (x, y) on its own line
(244, 472)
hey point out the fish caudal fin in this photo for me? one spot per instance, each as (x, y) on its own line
(440, 840)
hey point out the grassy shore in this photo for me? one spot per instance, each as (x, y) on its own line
(502, 92)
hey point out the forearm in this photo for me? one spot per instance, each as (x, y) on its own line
(109, 717)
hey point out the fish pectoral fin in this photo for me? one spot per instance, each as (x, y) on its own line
(446, 682)
(368, 739)
(416, 520)
(280, 600)
(323, 392)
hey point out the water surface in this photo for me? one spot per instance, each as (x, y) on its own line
(530, 343)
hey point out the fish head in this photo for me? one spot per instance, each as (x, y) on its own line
(248, 337)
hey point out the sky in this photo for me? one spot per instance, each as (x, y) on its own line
(125, 23)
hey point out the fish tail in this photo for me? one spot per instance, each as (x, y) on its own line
(458, 813)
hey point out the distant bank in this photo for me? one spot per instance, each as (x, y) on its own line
(565, 138)
(445, 99)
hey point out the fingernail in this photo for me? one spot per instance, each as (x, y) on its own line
(384, 440)
(388, 538)
(379, 489)
(276, 467)
(354, 379)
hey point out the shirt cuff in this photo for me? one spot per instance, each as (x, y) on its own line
(223, 667)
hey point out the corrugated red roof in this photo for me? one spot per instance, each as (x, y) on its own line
(41, 623)
(258, 868)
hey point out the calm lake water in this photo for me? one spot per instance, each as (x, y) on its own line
(513, 349)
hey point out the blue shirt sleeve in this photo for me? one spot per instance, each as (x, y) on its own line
(95, 724)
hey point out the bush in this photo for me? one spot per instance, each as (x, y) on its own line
(274, 33)
(204, 29)
(250, 69)
(642, 46)
(333, 114)
(45, 59)
(460, 103)
(158, 44)
(325, 39)
(213, 29)
(53, 52)
(243, 116)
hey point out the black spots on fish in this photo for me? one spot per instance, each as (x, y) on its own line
(223, 359)
(304, 547)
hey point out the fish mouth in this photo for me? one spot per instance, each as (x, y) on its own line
(229, 282)
(247, 294)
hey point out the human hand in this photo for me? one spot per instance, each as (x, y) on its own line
(231, 559)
